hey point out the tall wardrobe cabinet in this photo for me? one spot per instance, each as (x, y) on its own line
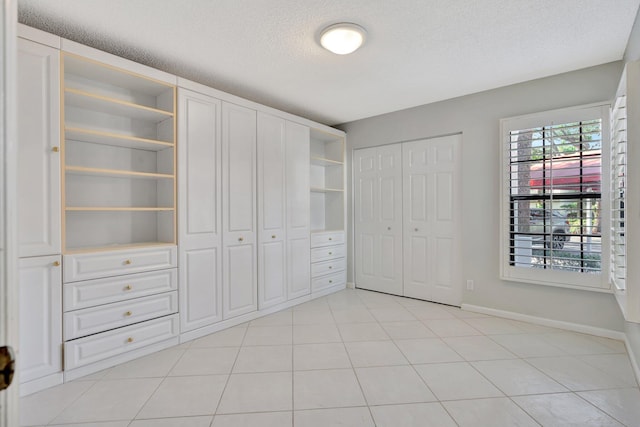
(39, 232)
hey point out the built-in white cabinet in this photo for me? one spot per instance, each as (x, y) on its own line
(239, 216)
(407, 219)
(199, 202)
(122, 179)
(38, 149)
(40, 287)
(283, 210)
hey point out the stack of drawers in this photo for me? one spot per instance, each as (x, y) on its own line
(117, 302)
(328, 260)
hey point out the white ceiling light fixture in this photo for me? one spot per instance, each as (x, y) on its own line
(342, 38)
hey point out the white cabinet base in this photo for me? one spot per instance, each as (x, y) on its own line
(41, 384)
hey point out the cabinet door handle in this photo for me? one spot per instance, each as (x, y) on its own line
(415, 229)
(128, 313)
(330, 253)
(330, 281)
(127, 262)
(56, 263)
(273, 236)
(389, 228)
(128, 288)
(56, 149)
(330, 238)
(330, 267)
(240, 239)
(130, 339)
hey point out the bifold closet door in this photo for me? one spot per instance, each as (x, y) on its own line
(240, 289)
(431, 205)
(199, 199)
(378, 218)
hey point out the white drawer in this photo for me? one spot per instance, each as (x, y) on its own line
(98, 347)
(115, 263)
(327, 267)
(327, 252)
(90, 293)
(328, 281)
(327, 238)
(93, 320)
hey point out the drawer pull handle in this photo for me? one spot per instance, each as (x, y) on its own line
(56, 263)
(330, 253)
(128, 313)
(415, 229)
(128, 288)
(273, 236)
(55, 149)
(240, 239)
(127, 262)
(330, 267)
(389, 228)
(130, 339)
(330, 281)
(330, 238)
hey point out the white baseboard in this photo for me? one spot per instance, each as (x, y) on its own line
(569, 326)
(634, 359)
(41, 384)
(351, 285)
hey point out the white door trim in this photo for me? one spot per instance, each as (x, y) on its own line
(8, 220)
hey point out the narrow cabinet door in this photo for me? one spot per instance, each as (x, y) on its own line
(239, 215)
(199, 201)
(40, 317)
(38, 149)
(271, 211)
(378, 218)
(298, 210)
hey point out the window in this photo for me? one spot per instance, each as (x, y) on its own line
(553, 197)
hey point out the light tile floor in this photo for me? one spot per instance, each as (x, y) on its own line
(358, 358)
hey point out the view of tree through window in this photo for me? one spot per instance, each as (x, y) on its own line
(555, 197)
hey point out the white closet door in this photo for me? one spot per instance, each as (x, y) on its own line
(432, 219)
(378, 222)
(272, 287)
(40, 317)
(199, 198)
(38, 136)
(239, 212)
(298, 210)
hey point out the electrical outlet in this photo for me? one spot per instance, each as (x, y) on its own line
(469, 285)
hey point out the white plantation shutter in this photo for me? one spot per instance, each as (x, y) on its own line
(618, 192)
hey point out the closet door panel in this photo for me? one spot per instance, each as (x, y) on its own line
(431, 225)
(239, 212)
(272, 285)
(38, 136)
(378, 196)
(298, 199)
(199, 203)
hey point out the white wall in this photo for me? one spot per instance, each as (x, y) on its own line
(477, 117)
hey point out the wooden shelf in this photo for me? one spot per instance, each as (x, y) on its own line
(107, 74)
(321, 161)
(81, 170)
(326, 190)
(114, 139)
(116, 209)
(115, 247)
(104, 104)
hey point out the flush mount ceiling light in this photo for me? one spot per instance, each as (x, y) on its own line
(343, 38)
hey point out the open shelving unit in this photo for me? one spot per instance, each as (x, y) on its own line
(118, 158)
(327, 181)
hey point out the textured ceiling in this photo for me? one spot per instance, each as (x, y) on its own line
(417, 51)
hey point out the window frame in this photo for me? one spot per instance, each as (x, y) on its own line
(598, 282)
